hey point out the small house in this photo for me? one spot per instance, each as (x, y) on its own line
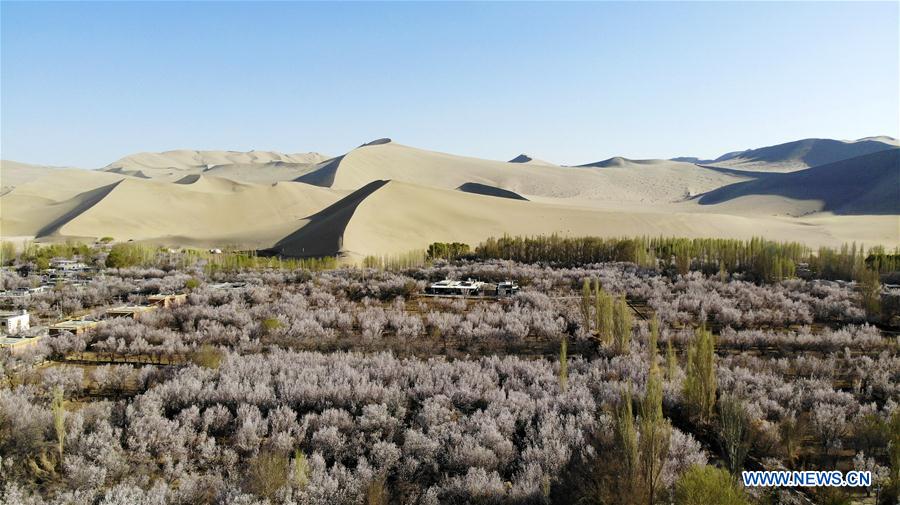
(507, 288)
(18, 345)
(66, 265)
(132, 311)
(15, 322)
(166, 301)
(75, 326)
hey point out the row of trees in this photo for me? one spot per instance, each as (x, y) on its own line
(764, 260)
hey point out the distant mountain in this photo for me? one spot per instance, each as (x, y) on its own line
(801, 154)
(868, 184)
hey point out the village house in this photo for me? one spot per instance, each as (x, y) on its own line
(18, 345)
(15, 322)
(66, 265)
(167, 301)
(75, 326)
(132, 311)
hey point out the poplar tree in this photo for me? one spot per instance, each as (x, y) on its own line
(622, 326)
(626, 438)
(655, 429)
(57, 406)
(586, 304)
(671, 360)
(700, 384)
(605, 323)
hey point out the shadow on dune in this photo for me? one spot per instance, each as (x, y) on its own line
(323, 176)
(736, 172)
(84, 201)
(132, 173)
(484, 189)
(323, 234)
(188, 179)
(865, 185)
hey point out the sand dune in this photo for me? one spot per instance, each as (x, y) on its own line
(184, 159)
(868, 184)
(618, 161)
(481, 189)
(802, 154)
(210, 209)
(663, 181)
(394, 217)
(524, 158)
(252, 166)
(200, 210)
(14, 173)
(385, 198)
(322, 234)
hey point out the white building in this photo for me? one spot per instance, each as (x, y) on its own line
(447, 287)
(15, 322)
(67, 265)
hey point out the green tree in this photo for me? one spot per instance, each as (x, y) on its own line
(207, 356)
(124, 255)
(671, 360)
(733, 428)
(700, 383)
(7, 253)
(870, 292)
(604, 308)
(626, 438)
(622, 322)
(894, 451)
(586, 304)
(267, 472)
(301, 469)
(655, 430)
(708, 485)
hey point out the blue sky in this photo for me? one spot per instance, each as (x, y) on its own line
(83, 84)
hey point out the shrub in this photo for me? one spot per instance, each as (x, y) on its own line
(708, 485)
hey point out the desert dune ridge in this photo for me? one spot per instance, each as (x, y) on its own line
(385, 198)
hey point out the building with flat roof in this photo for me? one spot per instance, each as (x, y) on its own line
(166, 301)
(15, 322)
(76, 326)
(67, 265)
(17, 345)
(132, 311)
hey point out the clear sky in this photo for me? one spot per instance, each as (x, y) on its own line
(84, 84)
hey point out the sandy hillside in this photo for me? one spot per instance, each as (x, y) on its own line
(196, 209)
(527, 159)
(665, 181)
(802, 154)
(385, 198)
(387, 217)
(868, 184)
(205, 210)
(252, 166)
(14, 173)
